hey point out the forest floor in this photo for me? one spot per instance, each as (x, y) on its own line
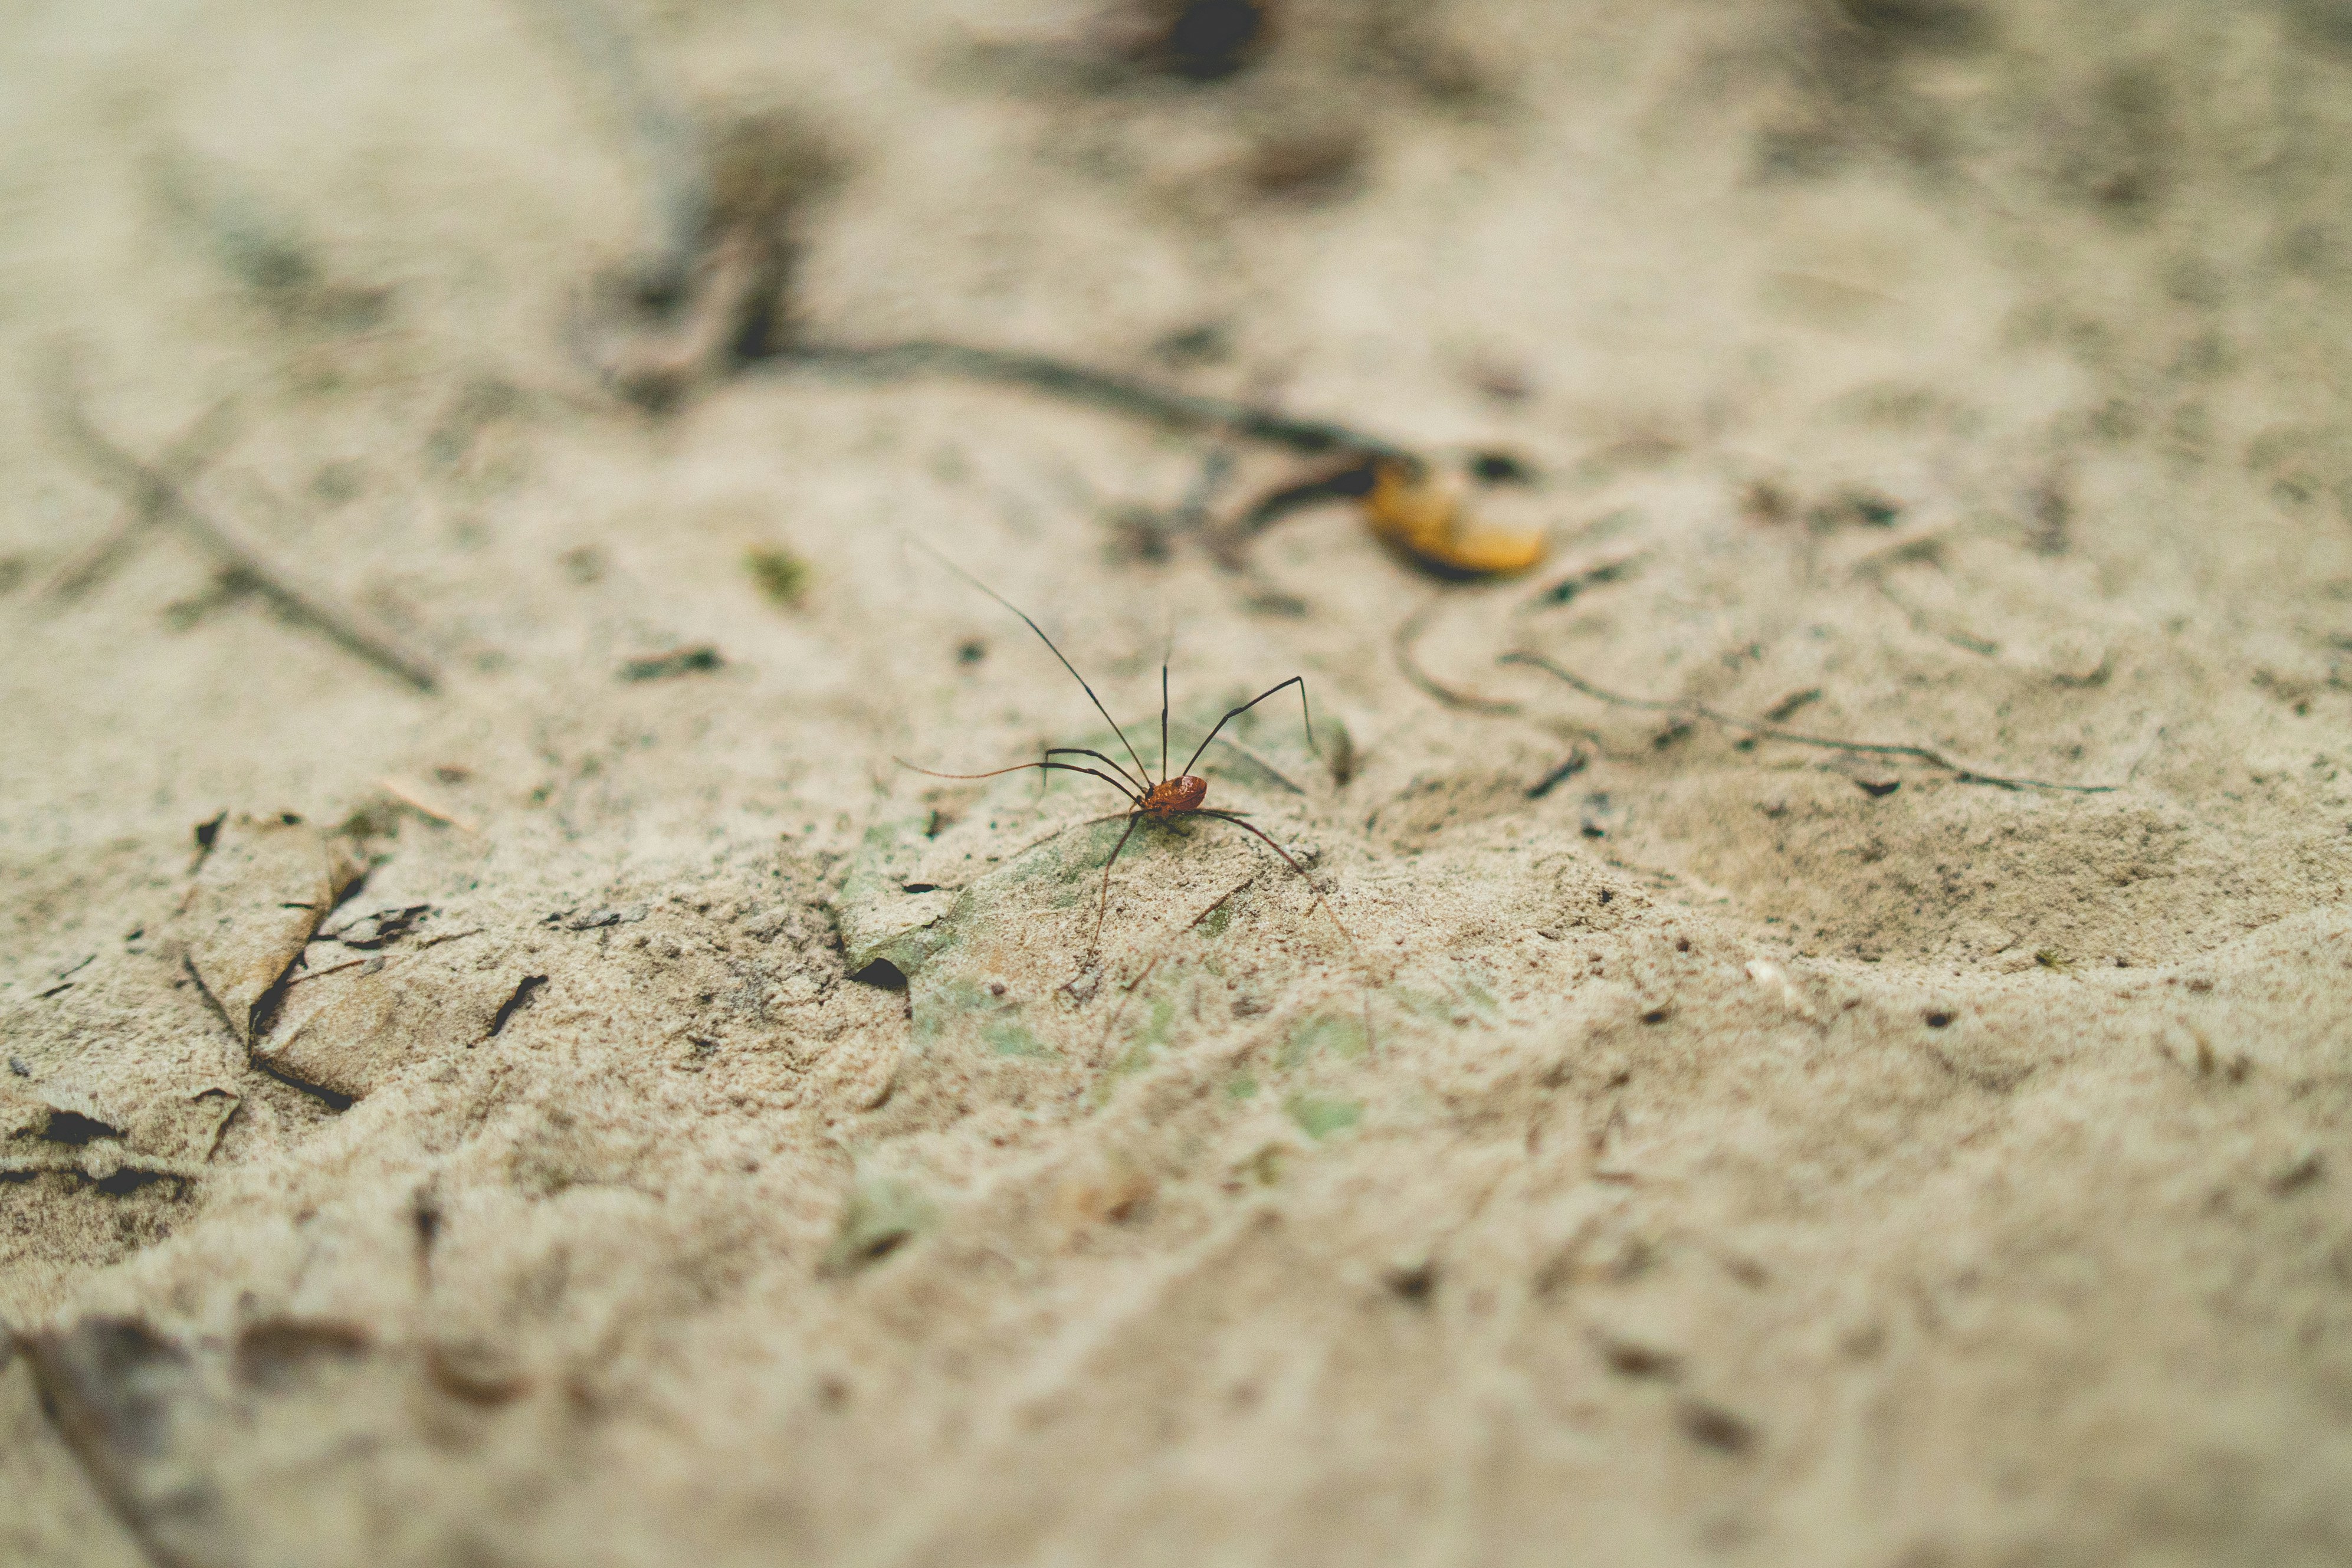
(1814, 1025)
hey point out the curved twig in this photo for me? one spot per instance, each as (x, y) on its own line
(1409, 633)
(1960, 771)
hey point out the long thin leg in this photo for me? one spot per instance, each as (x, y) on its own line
(1068, 828)
(1304, 717)
(1018, 768)
(1052, 752)
(1142, 770)
(1163, 720)
(1292, 862)
(1276, 774)
(1103, 909)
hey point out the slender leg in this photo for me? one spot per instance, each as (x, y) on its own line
(1305, 718)
(1103, 908)
(1134, 791)
(1163, 720)
(1067, 827)
(1056, 652)
(1018, 768)
(1289, 860)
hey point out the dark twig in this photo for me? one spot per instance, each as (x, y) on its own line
(689, 197)
(153, 491)
(182, 461)
(1578, 761)
(677, 165)
(1351, 481)
(1081, 383)
(1960, 771)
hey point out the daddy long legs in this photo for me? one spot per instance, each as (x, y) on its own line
(1183, 795)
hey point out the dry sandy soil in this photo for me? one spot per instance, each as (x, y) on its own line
(504, 1066)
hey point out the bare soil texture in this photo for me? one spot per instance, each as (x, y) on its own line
(1815, 1026)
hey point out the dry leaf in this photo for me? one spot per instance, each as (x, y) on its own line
(263, 889)
(1411, 512)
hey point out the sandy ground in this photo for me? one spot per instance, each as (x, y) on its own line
(603, 1110)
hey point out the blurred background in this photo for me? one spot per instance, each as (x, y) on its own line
(485, 444)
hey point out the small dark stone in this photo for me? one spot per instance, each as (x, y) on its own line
(1494, 468)
(1628, 1358)
(1414, 1282)
(1713, 1427)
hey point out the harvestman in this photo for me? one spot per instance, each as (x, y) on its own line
(1182, 796)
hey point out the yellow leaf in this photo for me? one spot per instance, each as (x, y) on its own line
(1411, 512)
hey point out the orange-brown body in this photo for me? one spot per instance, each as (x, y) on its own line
(1172, 795)
(1186, 795)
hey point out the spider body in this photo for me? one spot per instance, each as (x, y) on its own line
(1185, 795)
(1169, 796)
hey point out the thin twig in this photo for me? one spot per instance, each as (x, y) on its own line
(1351, 481)
(416, 799)
(1924, 546)
(1578, 761)
(1409, 633)
(1960, 771)
(182, 461)
(153, 491)
(330, 969)
(677, 164)
(1081, 383)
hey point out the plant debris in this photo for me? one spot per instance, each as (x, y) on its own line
(1961, 773)
(1429, 524)
(782, 576)
(154, 493)
(677, 661)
